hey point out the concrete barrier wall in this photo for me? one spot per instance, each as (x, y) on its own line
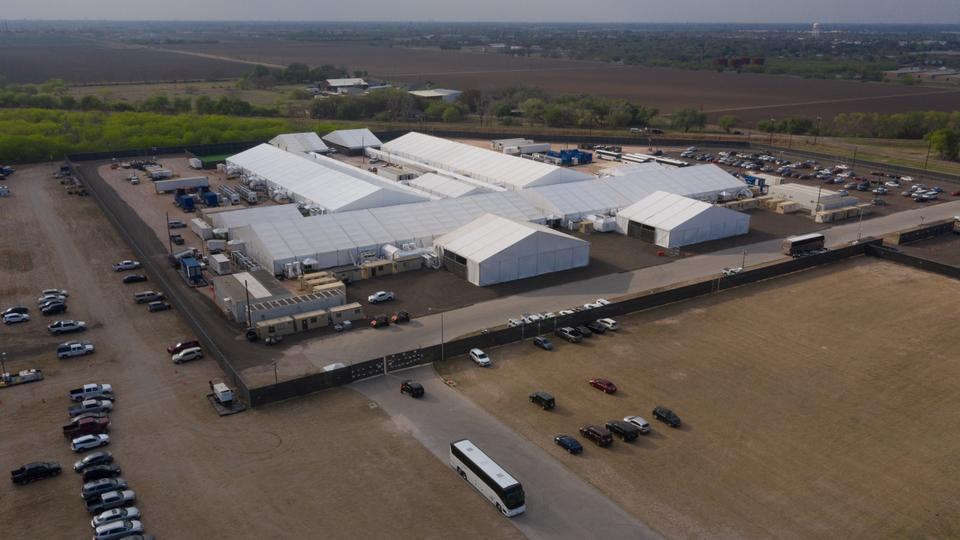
(914, 261)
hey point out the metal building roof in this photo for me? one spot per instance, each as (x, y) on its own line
(346, 82)
(352, 138)
(664, 210)
(321, 181)
(300, 143)
(444, 186)
(482, 164)
(436, 93)
(490, 234)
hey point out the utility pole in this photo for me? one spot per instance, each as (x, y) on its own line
(927, 159)
(246, 290)
(854, 157)
(860, 226)
(3, 362)
(276, 379)
(817, 133)
(443, 354)
(743, 262)
(166, 227)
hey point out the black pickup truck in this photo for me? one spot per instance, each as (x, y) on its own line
(35, 471)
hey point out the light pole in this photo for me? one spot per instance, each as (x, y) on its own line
(773, 126)
(860, 226)
(3, 362)
(276, 378)
(442, 352)
(743, 262)
(817, 132)
(927, 159)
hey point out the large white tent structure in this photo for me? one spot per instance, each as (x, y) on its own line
(673, 221)
(326, 183)
(352, 141)
(492, 249)
(479, 163)
(604, 196)
(444, 186)
(300, 143)
(343, 238)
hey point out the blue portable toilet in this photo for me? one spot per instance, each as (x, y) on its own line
(191, 269)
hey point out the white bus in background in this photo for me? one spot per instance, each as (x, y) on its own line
(494, 483)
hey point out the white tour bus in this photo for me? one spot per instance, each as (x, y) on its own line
(490, 479)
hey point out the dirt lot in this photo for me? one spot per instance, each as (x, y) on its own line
(329, 461)
(817, 405)
(750, 97)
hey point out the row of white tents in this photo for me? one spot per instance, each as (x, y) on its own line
(491, 235)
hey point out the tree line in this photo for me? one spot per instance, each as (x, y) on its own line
(28, 135)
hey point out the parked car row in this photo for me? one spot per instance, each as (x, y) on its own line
(380, 321)
(155, 301)
(534, 318)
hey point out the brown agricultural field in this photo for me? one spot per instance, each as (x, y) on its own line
(34, 58)
(751, 97)
(817, 405)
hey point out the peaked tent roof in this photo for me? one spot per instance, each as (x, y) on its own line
(479, 163)
(333, 188)
(490, 234)
(444, 186)
(352, 138)
(300, 142)
(666, 211)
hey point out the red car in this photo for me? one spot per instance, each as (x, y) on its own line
(956, 193)
(603, 384)
(174, 349)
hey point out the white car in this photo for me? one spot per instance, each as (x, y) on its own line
(117, 514)
(51, 298)
(609, 324)
(514, 322)
(60, 327)
(60, 292)
(191, 353)
(13, 318)
(126, 265)
(89, 442)
(117, 529)
(380, 296)
(563, 312)
(639, 422)
(602, 301)
(480, 358)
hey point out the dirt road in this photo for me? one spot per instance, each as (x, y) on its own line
(821, 404)
(330, 464)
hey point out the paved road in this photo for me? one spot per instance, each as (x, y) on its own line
(426, 331)
(559, 503)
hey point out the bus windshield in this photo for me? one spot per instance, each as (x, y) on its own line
(513, 497)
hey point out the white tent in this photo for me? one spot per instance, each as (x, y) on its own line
(300, 143)
(444, 186)
(493, 249)
(479, 163)
(672, 221)
(339, 239)
(352, 140)
(572, 201)
(327, 183)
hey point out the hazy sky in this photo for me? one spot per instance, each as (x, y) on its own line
(852, 11)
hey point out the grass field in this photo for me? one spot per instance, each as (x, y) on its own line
(821, 404)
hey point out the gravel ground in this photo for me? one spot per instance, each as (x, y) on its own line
(328, 462)
(821, 404)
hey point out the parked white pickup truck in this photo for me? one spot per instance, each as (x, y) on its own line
(74, 348)
(91, 391)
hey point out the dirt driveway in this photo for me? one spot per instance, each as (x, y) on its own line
(822, 404)
(329, 462)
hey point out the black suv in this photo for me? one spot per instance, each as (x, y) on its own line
(98, 472)
(596, 327)
(413, 388)
(666, 416)
(625, 430)
(15, 309)
(543, 399)
(34, 471)
(600, 436)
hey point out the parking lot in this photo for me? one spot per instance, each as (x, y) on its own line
(820, 404)
(328, 462)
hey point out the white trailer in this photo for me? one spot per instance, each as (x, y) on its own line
(201, 228)
(166, 186)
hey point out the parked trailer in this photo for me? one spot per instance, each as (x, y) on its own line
(609, 155)
(247, 194)
(160, 174)
(229, 194)
(166, 186)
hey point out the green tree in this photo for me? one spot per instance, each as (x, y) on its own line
(533, 109)
(559, 116)
(452, 115)
(946, 142)
(728, 122)
(434, 111)
(687, 119)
